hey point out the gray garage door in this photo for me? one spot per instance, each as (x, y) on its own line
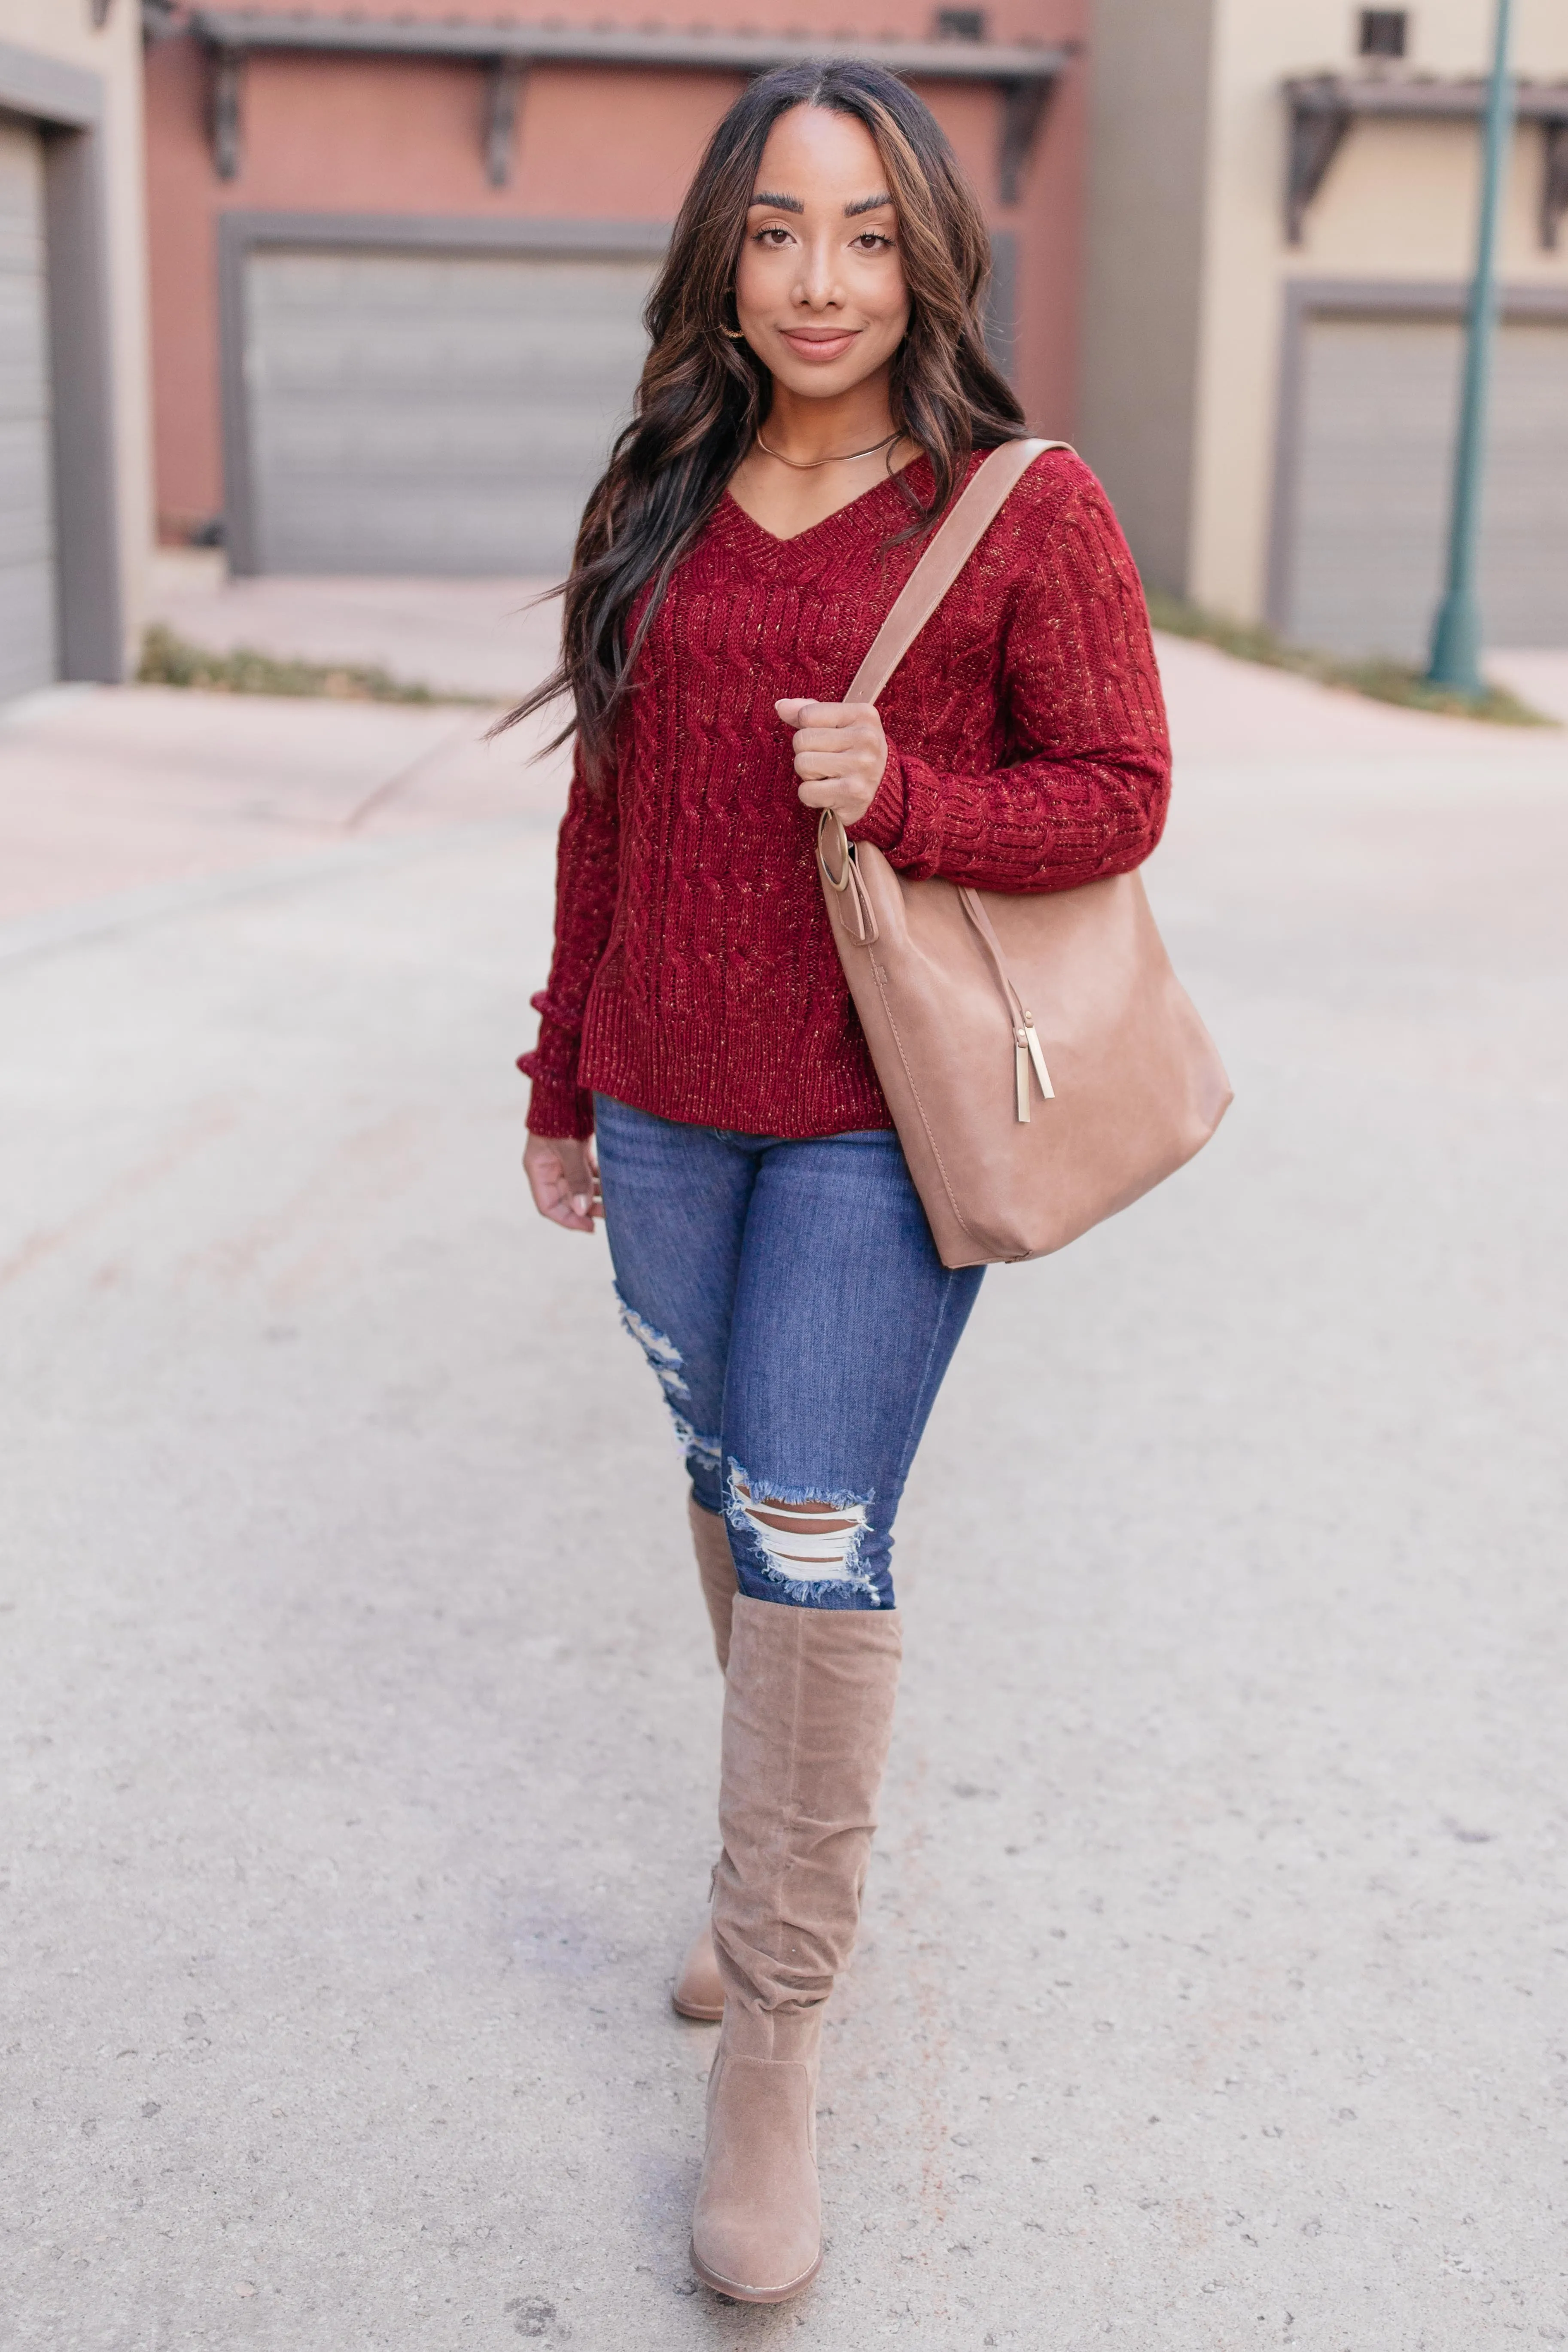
(1379, 403)
(433, 413)
(27, 650)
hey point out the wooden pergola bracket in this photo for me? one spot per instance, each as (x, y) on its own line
(1322, 107)
(1023, 73)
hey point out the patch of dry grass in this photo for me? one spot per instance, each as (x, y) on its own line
(1382, 681)
(168, 659)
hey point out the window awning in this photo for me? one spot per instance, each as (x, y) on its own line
(1323, 106)
(1023, 73)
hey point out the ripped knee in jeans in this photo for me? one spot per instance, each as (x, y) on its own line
(807, 1542)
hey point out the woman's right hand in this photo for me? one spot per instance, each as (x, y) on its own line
(563, 1177)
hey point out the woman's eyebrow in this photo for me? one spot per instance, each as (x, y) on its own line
(866, 205)
(779, 203)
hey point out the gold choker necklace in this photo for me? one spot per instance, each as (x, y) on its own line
(810, 465)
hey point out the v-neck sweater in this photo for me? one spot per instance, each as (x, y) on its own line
(695, 974)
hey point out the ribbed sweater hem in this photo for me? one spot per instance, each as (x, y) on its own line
(761, 1090)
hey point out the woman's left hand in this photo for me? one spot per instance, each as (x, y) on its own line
(840, 752)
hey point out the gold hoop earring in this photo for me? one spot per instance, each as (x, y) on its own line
(736, 334)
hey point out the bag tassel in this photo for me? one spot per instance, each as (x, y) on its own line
(1037, 1056)
(1026, 1049)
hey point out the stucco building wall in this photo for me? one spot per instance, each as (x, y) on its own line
(1148, 110)
(63, 31)
(354, 134)
(1193, 466)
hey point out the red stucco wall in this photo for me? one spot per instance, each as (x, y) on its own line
(348, 134)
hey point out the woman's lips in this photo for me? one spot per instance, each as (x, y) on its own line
(819, 347)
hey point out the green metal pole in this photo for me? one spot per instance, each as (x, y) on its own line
(1456, 638)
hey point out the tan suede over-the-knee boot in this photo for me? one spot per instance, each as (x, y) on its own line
(698, 1992)
(808, 1712)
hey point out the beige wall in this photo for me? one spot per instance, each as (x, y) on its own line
(1150, 74)
(1399, 202)
(63, 30)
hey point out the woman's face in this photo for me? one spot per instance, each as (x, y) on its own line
(819, 288)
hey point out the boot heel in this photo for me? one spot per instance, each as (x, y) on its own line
(698, 1989)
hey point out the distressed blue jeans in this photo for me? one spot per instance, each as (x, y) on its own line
(789, 1297)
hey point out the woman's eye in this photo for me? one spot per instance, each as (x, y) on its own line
(871, 240)
(774, 236)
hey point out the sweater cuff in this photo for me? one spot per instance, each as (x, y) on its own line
(558, 1112)
(905, 820)
(557, 1106)
(883, 822)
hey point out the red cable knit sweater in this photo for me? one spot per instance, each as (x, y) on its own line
(695, 974)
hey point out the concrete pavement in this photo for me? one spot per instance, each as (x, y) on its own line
(362, 1726)
(110, 801)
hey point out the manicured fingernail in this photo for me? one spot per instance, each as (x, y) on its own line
(580, 1202)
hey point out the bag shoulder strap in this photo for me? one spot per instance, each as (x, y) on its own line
(950, 548)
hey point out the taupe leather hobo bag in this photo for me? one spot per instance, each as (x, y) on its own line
(1043, 1064)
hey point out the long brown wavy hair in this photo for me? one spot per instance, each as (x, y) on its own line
(703, 395)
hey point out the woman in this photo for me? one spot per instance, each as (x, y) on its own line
(816, 392)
